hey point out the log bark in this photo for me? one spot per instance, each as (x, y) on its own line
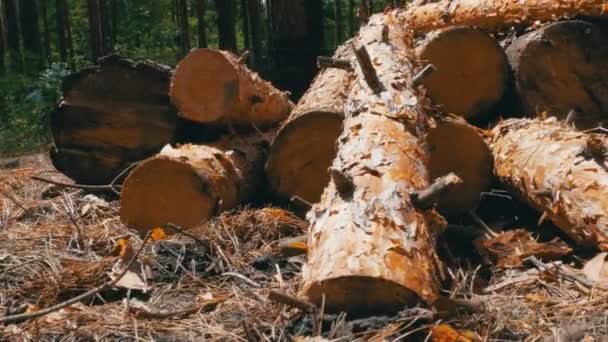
(112, 115)
(458, 147)
(562, 67)
(472, 70)
(370, 250)
(191, 183)
(305, 145)
(559, 171)
(496, 15)
(211, 86)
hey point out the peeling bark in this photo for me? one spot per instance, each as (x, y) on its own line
(370, 250)
(562, 67)
(212, 86)
(306, 143)
(191, 183)
(497, 14)
(559, 171)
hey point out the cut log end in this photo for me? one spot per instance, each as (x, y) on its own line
(457, 147)
(361, 295)
(561, 67)
(205, 86)
(472, 70)
(164, 190)
(301, 155)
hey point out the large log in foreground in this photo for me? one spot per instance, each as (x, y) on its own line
(189, 184)
(562, 67)
(211, 86)
(497, 14)
(370, 249)
(112, 114)
(305, 145)
(559, 171)
(472, 71)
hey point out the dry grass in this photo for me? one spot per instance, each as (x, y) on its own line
(58, 243)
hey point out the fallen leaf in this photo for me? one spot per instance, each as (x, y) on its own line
(133, 281)
(445, 333)
(158, 234)
(511, 248)
(123, 249)
(596, 269)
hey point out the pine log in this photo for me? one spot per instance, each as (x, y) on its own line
(191, 183)
(305, 145)
(562, 67)
(112, 114)
(211, 86)
(370, 250)
(472, 71)
(559, 171)
(458, 147)
(496, 15)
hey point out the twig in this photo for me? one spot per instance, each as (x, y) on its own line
(78, 231)
(243, 57)
(127, 169)
(329, 62)
(73, 186)
(423, 74)
(110, 283)
(570, 117)
(300, 200)
(482, 224)
(185, 233)
(14, 200)
(559, 268)
(428, 197)
(367, 68)
(288, 300)
(243, 278)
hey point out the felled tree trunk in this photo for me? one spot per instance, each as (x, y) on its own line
(305, 146)
(562, 67)
(496, 14)
(112, 115)
(370, 250)
(212, 86)
(559, 171)
(472, 71)
(191, 183)
(458, 147)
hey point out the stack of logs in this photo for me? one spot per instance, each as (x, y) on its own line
(387, 143)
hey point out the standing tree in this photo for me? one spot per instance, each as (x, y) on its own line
(352, 28)
(60, 8)
(255, 39)
(226, 13)
(245, 23)
(296, 36)
(184, 35)
(46, 29)
(30, 31)
(201, 6)
(2, 38)
(106, 25)
(338, 21)
(96, 30)
(12, 34)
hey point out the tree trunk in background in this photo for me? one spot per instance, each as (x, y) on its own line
(68, 32)
(96, 29)
(12, 35)
(296, 37)
(115, 13)
(226, 20)
(245, 23)
(106, 26)
(352, 26)
(2, 39)
(559, 171)
(61, 29)
(338, 21)
(255, 30)
(184, 34)
(201, 7)
(47, 31)
(30, 31)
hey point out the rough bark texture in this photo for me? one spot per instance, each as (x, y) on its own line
(458, 147)
(214, 86)
(562, 67)
(189, 184)
(497, 14)
(559, 171)
(370, 250)
(472, 70)
(111, 115)
(305, 146)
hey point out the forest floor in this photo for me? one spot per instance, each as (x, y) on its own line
(213, 284)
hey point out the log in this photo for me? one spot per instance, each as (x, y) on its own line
(305, 145)
(472, 71)
(112, 114)
(370, 250)
(189, 184)
(211, 86)
(559, 171)
(458, 147)
(562, 67)
(496, 15)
